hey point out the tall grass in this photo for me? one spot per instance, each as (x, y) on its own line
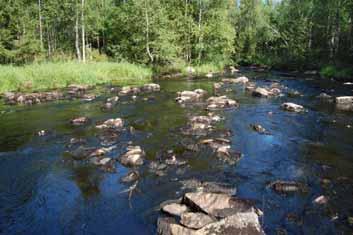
(47, 76)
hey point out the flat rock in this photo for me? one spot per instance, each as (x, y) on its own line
(215, 204)
(241, 223)
(175, 209)
(261, 92)
(291, 107)
(195, 220)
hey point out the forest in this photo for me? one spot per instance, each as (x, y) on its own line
(287, 34)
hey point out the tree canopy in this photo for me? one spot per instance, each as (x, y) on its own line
(288, 32)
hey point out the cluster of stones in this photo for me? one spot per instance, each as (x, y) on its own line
(11, 98)
(201, 213)
(129, 90)
(73, 91)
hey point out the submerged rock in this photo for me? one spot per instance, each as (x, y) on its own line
(324, 96)
(291, 107)
(287, 186)
(258, 128)
(133, 157)
(130, 177)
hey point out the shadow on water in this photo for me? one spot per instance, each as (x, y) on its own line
(42, 193)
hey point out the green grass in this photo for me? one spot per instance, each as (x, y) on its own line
(331, 71)
(200, 70)
(48, 76)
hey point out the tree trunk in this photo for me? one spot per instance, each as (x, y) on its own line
(40, 24)
(147, 33)
(200, 32)
(83, 31)
(77, 37)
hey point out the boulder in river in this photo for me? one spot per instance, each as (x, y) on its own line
(128, 90)
(220, 102)
(79, 121)
(261, 92)
(344, 100)
(116, 123)
(133, 157)
(190, 96)
(211, 213)
(239, 80)
(195, 220)
(291, 107)
(344, 103)
(151, 87)
(175, 209)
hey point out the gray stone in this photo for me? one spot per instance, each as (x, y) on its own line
(195, 220)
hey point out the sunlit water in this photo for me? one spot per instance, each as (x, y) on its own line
(40, 193)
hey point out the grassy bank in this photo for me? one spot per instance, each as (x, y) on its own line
(47, 76)
(182, 68)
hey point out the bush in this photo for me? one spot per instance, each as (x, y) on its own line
(331, 71)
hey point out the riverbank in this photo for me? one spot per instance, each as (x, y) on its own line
(46, 76)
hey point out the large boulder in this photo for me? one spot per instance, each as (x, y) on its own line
(151, 87)
(175, 209)
(217, 204)
(291, 107)
(240, 223)
(195, 220)
(344, 100)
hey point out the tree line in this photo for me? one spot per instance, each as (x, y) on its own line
(304, 33)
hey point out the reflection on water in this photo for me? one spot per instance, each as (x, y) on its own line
(41, 192)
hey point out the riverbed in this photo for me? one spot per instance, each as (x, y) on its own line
(41, 192)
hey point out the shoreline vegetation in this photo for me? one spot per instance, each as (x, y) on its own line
(55, 75)
(47, 76)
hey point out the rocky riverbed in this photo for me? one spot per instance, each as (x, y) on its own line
(248, 153)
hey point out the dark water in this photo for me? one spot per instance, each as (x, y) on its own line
(41, 193)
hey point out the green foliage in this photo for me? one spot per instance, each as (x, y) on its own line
(332, 71)
(57, 75)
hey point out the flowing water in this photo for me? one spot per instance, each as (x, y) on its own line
(42, 193)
